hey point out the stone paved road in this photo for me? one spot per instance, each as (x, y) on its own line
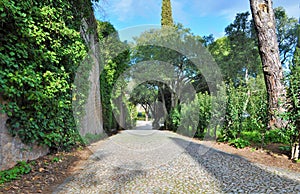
(149, 161)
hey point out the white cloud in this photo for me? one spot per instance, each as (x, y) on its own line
(185, 9)
(211, 14)
(197, 9)
(123, 9)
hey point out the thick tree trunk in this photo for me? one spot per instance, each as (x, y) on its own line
(264, 20)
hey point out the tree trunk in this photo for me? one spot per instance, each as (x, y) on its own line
(146, 116)
(161, 91)
(146, 109)
(264, 21)
(122, 115)
(295, 151)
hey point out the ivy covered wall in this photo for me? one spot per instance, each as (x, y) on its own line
(40, 50)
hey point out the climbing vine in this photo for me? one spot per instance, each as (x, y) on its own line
(40, 50)
(116, 59)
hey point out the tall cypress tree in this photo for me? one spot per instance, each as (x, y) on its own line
(164, 93)
(166, 13)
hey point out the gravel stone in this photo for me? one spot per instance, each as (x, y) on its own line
(151, 161)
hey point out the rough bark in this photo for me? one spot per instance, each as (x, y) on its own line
(264, 20)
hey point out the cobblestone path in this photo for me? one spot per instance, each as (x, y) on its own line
(150, 161)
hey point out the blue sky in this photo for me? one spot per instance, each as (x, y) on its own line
(202, 17)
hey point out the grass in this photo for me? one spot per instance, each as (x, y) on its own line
(15, 173)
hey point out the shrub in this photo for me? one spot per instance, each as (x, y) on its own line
(292, 115)
(38, 65)
(239, 143)
(246, 111)
(285, 148)
(277, 136)
(174, 119)
(252, 136)
(204, 106)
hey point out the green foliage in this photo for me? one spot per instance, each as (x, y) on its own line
(285, 148)
(237, 53)
(141, 116)
(182, 69)
(15, 173)
(115, 60)
(257, 105)
(246, 111)
(189, 118)
(204, 105)
(196, 126)
(90, 138)
(239, 130)
(133, 114)
(297, 161)
(239, 143)
(286, 30)
(182, 119)
(105, 29)
(252, 136)
(40, 49)
(81, 89)
(144, 94)
(55, 159)
(277, 136)
(236, 99)
(174, 119)
(166, 13)
(293, 95)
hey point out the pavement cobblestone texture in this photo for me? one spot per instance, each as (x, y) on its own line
(149, 161)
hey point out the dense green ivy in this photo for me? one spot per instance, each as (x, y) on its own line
(116, 60)
(40, 50)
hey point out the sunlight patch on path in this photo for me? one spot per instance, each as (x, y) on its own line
(165, 162)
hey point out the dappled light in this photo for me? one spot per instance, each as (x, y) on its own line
(149, 96)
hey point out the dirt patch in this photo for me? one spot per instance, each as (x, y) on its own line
(270, 155)
(48, 172)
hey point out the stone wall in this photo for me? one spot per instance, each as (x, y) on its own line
(13, 150)
(92, 122)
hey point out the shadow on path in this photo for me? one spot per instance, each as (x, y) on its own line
(122, 176)
(237, 174)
